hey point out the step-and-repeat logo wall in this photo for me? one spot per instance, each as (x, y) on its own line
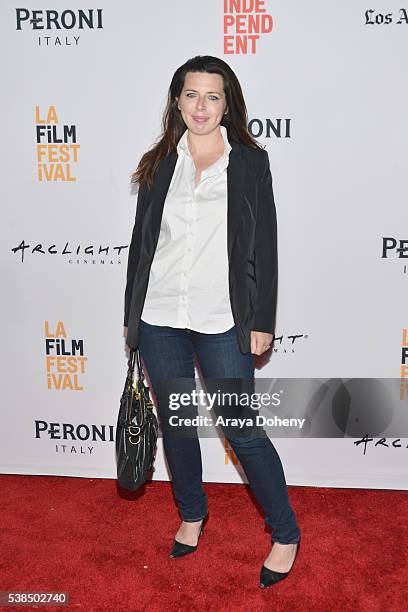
(82, 100)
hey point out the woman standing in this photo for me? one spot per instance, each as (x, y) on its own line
(202, 281)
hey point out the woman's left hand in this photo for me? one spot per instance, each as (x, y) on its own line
(260, 342)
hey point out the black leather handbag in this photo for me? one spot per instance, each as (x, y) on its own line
(136, 429)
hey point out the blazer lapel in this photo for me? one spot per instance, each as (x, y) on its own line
(236, 176)
(155, 203)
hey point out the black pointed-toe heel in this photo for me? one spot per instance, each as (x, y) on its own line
(180, 550)
(269, 577)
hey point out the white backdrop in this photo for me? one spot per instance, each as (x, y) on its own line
(333, 75)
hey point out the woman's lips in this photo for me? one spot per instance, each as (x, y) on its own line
(200, 119)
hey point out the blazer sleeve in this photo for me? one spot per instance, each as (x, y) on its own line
(266, 251)
(133, 255)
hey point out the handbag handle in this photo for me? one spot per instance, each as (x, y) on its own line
(134, 355)
(139, 365)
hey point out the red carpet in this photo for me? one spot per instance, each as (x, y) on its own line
(111, 552)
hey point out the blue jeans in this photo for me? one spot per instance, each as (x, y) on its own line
(168, 352)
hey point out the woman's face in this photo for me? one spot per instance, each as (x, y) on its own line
(202, 101)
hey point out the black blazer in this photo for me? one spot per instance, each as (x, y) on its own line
(251, 240)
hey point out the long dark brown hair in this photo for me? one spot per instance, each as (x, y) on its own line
(173, 126)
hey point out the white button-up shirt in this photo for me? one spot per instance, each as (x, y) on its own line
(188, 283)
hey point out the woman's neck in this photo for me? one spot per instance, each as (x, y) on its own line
(202, 144)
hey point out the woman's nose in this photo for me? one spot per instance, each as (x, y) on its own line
(200, 103)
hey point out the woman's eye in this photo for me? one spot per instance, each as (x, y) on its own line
(191, 94)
